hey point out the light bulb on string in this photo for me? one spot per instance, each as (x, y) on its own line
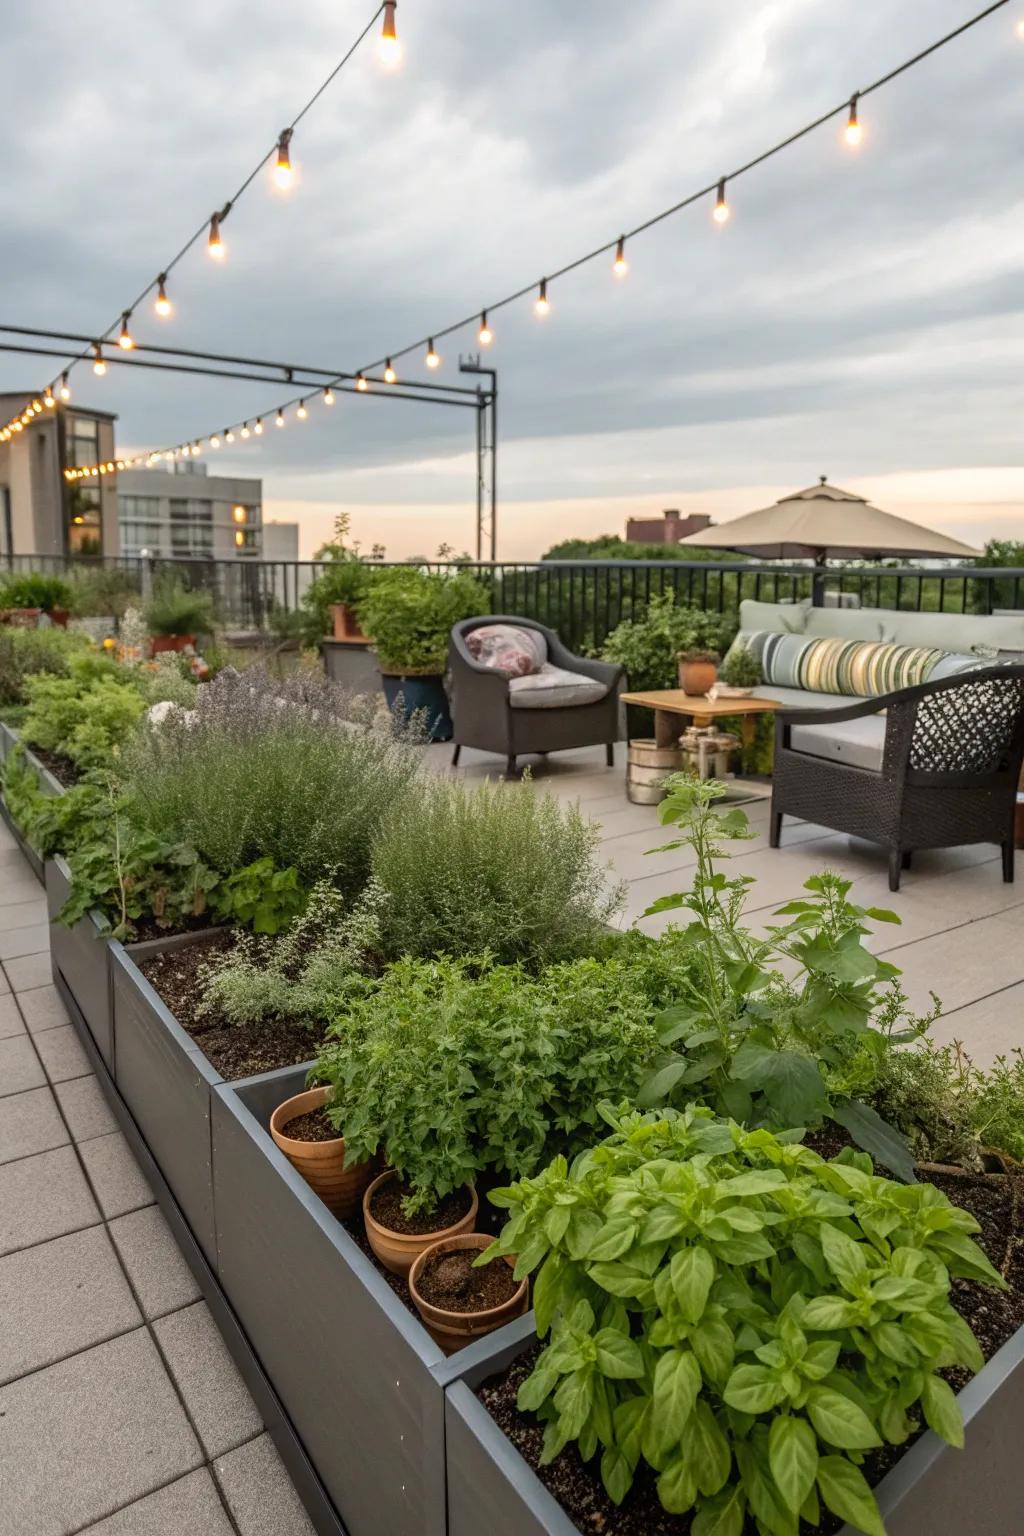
(620, 266)
(328, 396)
(389, 373)
(197, 448)
(99, 366)
(361, 384)
(37, 407)
(258, 428)
(484, 335)
(215, 441)
(542, 306)
(279, 419)
(722, 209)
(432, 359)
(214, 244)
(302, 413)
(229, 436)
(48, 399)
(163, 305)
(283, 173)
(390, 48)
(245, 429)
(65, 391)
(853, 133)
(125, 341)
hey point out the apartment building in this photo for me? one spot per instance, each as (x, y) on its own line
(41, 512)
(181, 511)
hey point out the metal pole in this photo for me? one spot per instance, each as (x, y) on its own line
(494, 466)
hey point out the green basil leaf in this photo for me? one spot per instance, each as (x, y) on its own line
(840, 1422)
(693, 1273)
(942, 1410)
(677, 1489)
(753, 1389)
(707, 1450)
(677, 1381)
(616, 1474)
(845, 1258)
(793, 1458)
(845, 1491)
(724, 1515)
(614, 1239)
(618, 1356)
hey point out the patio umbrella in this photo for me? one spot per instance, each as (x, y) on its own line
(825, 523)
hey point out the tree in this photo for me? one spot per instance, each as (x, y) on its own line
(608, 546)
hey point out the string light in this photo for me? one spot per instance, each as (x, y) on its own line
(48, 399)
(125, 341)
(433, 361)
(163, 305)
(389, 373)
(542, 306)
(283, 173)
(229, 436)
(279, 419)
(361, 384)
(99, 367)
(215, 441)
(721, 206)
(390, 47)
(65, 391)
(245, 429)
(328, 396)
(853, 133)
(620, 266)
(258, 428)
(302, 413)
(484, 335)
(215, 245)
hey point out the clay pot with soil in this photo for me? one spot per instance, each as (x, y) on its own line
(698, 671)
(308, 1140)
(398, 1239)
(459, 1303)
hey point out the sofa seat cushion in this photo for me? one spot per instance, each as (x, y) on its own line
(859, 743)
(554, 688)
(513, 649)
(796, 698)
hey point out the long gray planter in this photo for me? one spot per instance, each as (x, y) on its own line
(978, 1491)
(47, 783)
(80, 957)
(361, 1380)
(166, 1082)
(351, 663)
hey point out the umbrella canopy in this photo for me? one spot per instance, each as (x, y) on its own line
(825, 523)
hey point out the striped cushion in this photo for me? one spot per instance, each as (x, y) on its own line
(857, 668)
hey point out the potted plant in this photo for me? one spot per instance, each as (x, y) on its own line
(24, 598)
(302, 1130)
(175, 616)
(397, 1235)
(410, 614)
(698, 671)
(332, 599)
(457, 1299)
(739, 673)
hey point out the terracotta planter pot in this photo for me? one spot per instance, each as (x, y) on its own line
(160, 643)
(321, 1163)
(346, 625)
(454, 1330)
(696, 677)
(60, 616)
(397, 1251)
(22, 618)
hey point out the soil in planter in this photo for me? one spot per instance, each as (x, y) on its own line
(449, 1281)
(234, 1050)
(386, 1207)
(996, 1202)
(62, 768)
(312, 1126)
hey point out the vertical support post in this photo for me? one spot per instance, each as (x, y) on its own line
(480, 408)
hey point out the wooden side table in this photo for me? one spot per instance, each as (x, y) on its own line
(673, 709)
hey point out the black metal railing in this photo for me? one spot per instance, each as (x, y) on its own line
(583, 599)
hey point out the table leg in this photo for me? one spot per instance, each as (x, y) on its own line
(667, 728)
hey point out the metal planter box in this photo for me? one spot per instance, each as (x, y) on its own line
(979, 1490)
(166, 1082)
(362, 1382)
(80, 958)
(47, 783)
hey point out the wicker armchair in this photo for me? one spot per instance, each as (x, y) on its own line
(950, 759)
(483, 717)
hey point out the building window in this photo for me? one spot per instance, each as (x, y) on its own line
(191, 526)
(85, 522)
(247, 541)
(83, 442)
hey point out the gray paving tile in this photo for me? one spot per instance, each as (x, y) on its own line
(189, 1507)
(218, 1402)
(11, 1021)
(30, 1123)
(62, 1054)
(86, 1110)
(259, 1492)
(16, 915)
(43, 1197)
(61, 1297)
(42, 1008)
(89, 1435)
(116, 1176)
(988, 1028)
(19, 1065)
(29, 971)
(163, 1281)
(31, 940)
(5, 985)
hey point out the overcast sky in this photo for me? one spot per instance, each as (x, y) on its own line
(860, 314)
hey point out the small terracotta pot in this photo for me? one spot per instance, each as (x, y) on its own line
(398, 1250)
(346, 625)
(340, 1185)
(696, 677)
(22, 618)
(160, 643)
(454, 1330)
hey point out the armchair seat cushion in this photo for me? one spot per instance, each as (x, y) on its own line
(554, 688)
(859, 743)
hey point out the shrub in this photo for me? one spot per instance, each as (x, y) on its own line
(649, 648)
(452, 1066)
(497, 867)
(950, 1110)
(343, 578)
(35, 591)
(741, 668)
(84, 718)
(175, 610)
(264, 769)
(102, 590)
(25, 651)
(410, 613)
(740, 1315)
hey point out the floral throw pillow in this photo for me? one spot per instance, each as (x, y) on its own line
(508, 648)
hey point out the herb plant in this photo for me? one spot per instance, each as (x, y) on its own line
(763, 1049)
(26, 651)
(260, 896)
(410, 614)
(743, 1317)
(35, 590)
(740, 669)
(85, 717)
(176, 610)
(649, 648)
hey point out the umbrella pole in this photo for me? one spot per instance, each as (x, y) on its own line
(818, 580)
